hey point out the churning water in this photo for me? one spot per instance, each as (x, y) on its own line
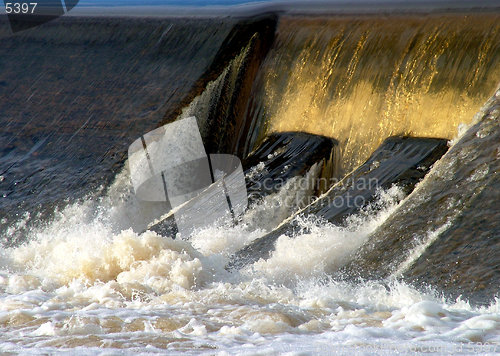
(79, 276)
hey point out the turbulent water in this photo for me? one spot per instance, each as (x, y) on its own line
(78, 275)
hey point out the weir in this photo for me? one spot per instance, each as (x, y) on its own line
(362, 134)
(281, 159)
(399, 161)
(352, 79)
(446, 232)
(78, 91)
(220, 97)
(363, 78)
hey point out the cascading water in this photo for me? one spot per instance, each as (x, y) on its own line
(362, 79)
(86, 281)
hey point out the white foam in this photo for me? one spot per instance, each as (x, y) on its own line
(324, 247)
(82, 284)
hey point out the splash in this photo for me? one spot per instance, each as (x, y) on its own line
(321, 247)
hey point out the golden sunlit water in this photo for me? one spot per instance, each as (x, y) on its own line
(362, 79)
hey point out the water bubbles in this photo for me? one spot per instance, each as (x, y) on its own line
(479, 173)
(285, 168)
(485, 131)
(494, 114)
(259, 169)
(374, 165)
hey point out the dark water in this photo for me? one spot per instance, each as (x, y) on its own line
(78, 91)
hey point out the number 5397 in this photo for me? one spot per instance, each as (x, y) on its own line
(18, 8)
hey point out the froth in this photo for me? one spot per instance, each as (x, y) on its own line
(127, 257)
(322, 247)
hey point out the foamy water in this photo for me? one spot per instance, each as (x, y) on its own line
(89, 284)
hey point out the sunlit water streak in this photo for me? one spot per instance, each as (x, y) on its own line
(362, 79)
